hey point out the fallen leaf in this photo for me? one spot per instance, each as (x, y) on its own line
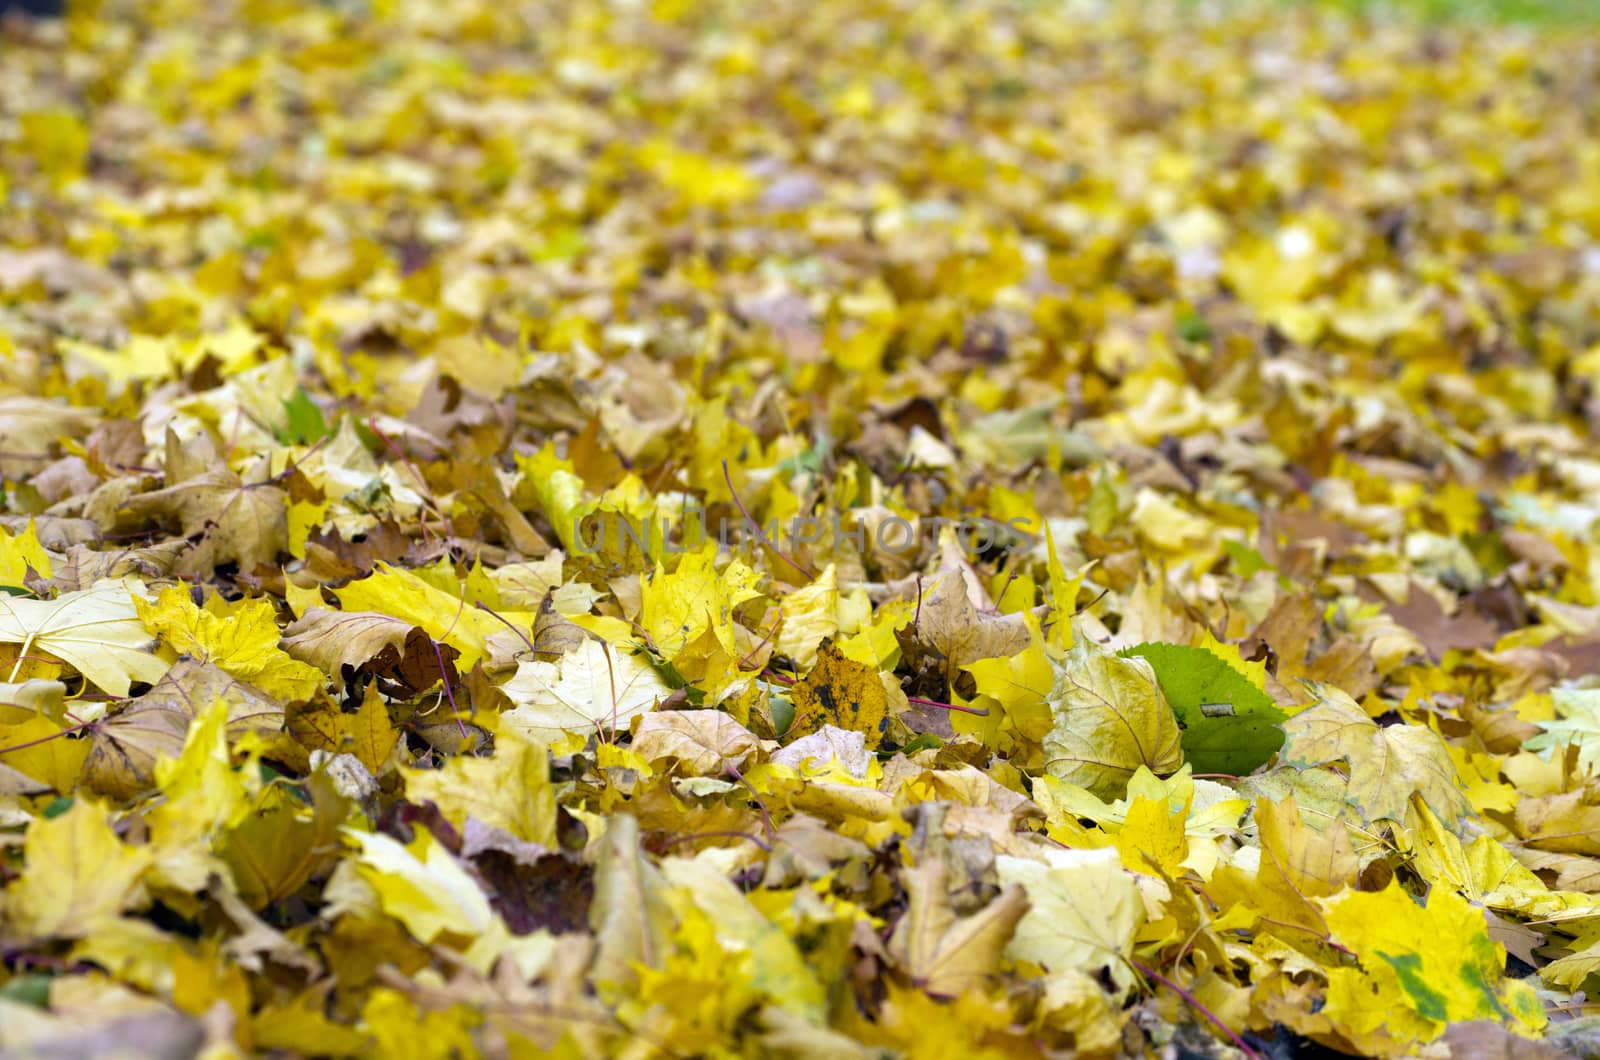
(1387, 765)
(840, 692)
(1423, 967)
(508, 790)
(96, 631)
(946, 954)
(81, 876)
(594, 688)
(1110, 718)
(1083, 911)
(227, 520)
(704, 743)
(1229, 725)
(128, 743)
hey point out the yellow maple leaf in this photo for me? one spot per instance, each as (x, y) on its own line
(677, 608)
(79, 875)
(421, 885)
(94, 630)
(21, 552)
(508, 790)
(241, 638)
(1422, 967)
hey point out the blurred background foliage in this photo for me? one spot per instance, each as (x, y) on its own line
(1575, 13)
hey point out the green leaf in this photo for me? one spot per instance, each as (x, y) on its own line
(306, 422)
(920, 742)
(1229, 725)
(32, 989)
(1193, 328)
(1246, 560)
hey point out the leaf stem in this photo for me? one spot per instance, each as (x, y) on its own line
(1194, 1003)
(444, 675)
(760, 534)
(766, 818)
(45, 739)
(481, 606)
(948, 706)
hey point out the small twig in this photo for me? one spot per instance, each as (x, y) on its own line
(294, 465)
(1327, 939)
(1101, 595)
(744, 662)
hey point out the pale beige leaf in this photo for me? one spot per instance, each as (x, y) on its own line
(593, 688)
(694, 742)
(1387, 764)
(1085, 910)
(96, 631)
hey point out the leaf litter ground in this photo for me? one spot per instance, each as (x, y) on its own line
(803, 529)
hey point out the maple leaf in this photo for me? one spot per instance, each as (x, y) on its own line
(128, 744)
(448, 618)
(948, 954)
(954, 632)
(1423, 966)
(1422, 614)
(1083, 911)
(421, 885)
(347, 643)
(695, 742)
(679, 608)
(32, 426)
(1578, 726)
(509, 790)
(241, 639)
(593, 688)
(80, 875)
(20, 553)
(96, 631)
(1387, 765)
(840, 692)
(227, 520)
(367, 733)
